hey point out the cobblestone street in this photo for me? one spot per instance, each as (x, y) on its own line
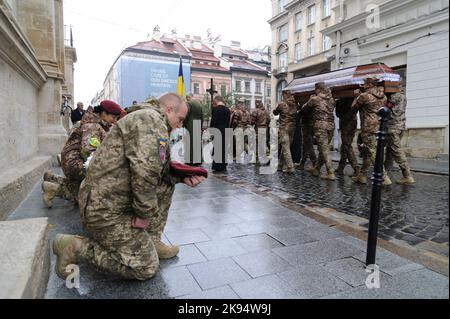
(416, 214)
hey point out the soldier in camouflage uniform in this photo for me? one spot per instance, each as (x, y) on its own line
(396, 126)
(307, 140)
(241, 120)
(322, 105)
(348, 125)
(287, 110)
(126, 195)
(368, 104)
(261, 120)
(83, 141)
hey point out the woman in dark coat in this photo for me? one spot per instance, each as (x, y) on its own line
(221, 121)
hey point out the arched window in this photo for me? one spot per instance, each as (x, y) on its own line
(280, 87)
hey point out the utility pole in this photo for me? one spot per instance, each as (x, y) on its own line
(211, 92)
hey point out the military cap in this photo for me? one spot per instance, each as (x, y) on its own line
(371, 81)
(111, 107)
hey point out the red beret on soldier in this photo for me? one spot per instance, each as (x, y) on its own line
(111, 107)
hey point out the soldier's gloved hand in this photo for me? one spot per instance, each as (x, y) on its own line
(193, 181)
(139, 223)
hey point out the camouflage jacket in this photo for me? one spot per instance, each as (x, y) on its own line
(397, 119)
(261, 118)
(126, 173)
(241, 118)
(369, 103)
(322, 106)
(288, 114)
(93, 132)
(71, 153)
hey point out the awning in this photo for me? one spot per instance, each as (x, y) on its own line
(346, 78)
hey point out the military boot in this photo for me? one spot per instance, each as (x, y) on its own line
(66, 248)
(50, 190)
(386, 180)
(315, 171)
(329, 176)
(340, 170)
(360, 179)
(290, 171)
(356, 171)
(165, 251)
(301, 166)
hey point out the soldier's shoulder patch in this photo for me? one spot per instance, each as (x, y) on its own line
(163, 148)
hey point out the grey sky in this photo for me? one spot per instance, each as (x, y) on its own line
(103, 28)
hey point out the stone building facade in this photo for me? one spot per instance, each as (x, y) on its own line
(32, 81)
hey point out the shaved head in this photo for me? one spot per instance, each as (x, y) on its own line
(175, 108)
(172, 99)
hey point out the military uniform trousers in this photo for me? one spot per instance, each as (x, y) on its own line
(261, 145)
(324, 138)
(286, 139)
(369, 151)
(347, 152)
(70, 185)
(395, 152)
(122, 250)
(308, 144)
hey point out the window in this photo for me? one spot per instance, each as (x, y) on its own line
(283, 33)
(311, 14)
(238, 86)
(298, 52)
(223, 90)
(280, 88)
(281, 4)
(269, 91)
(196, 88)
(247, 87)
(311, 46)
(258, 88)
(282, 60)
(326, 43)
(326, 8)
(298, 21)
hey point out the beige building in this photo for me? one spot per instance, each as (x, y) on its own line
(298, 47)
(411, 37)
(34, 74)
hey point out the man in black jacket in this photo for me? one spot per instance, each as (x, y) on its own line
(78, 113)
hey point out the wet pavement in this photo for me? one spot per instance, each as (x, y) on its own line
(418, 214)
(235, 244)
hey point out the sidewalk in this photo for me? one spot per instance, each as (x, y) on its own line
(236, 244)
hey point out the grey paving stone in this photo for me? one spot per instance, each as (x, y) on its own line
(288, 222)
(179, 281)
(218, 273)
(323, 232)
(257, 242)
(267, 287)
(225, 219)
(256, 227)
(262, 263)
(350, 270)
(362, 292)
(186, 236)
(291, 236)
(316, 252)
(192, 223)
(188, 255)
(360, 244)
(421, 284)
(220, 248)
(222, 231)
(391, 263)
(220, 293)
(313, 281)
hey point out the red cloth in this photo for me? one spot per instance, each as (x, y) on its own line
(111, 107)
(183, 170)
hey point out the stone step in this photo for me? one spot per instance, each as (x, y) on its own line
(24, 258)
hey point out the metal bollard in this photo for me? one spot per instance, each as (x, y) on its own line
(377, 181)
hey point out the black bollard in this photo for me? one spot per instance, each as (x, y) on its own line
(377, 181)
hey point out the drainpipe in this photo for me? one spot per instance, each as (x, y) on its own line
(338, 49)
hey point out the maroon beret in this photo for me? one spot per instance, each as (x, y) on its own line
(111, 107)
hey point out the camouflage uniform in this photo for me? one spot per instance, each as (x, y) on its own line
(128, 177)
(322, 106)
(369, 103)
(307, 139)
(396, 126)
(81, 141)
(348, 125)
(261, 120)
(242, 120)
(288, 113)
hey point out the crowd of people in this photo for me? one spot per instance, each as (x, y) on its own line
(124, 188)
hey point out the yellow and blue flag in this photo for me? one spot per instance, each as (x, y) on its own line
(180, 86)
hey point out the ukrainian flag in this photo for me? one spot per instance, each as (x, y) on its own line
(180, 86)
